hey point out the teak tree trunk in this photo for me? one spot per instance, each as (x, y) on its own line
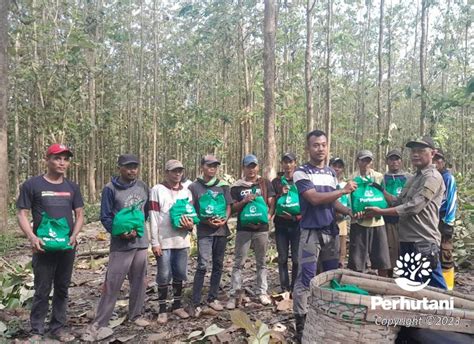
(269, 144)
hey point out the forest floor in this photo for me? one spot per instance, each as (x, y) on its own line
(89, 274)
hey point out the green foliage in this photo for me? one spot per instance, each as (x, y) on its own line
(9, 239)
(464, 227)
(91, 212)
(16, 285)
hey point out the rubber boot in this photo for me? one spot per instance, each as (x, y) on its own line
(300, 319)
(448, 275)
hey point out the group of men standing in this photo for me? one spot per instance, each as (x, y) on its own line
(420, 218)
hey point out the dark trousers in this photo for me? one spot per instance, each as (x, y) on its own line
(211, 251)
(286, 237)
(51, 269)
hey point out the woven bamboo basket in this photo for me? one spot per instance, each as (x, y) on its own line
(340, 317)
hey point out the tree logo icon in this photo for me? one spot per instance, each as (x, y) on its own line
(368, 193)
(51, 233)
(412, 269)
(253, 209)
(189, 208)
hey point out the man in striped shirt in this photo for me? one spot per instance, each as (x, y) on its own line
(319, 240)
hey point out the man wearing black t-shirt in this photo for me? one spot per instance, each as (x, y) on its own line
(244, 191)
(58, 197)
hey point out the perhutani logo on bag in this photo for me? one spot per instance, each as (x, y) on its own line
(189, 208)
(369, 193)
(209, 209)
(399, 190)
(253, 209)
(411, 269)
(51, 233)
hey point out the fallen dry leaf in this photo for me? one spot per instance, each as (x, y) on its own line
(278, 327)
(126, 338)
(285, 305)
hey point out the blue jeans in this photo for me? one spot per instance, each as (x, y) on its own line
(211, 249)
(172, 264)
(286, 236)
(437, 279)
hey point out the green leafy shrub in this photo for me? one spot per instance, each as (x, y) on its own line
(91, 212)
(16, 285)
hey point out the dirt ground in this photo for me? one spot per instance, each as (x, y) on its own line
(89, 274)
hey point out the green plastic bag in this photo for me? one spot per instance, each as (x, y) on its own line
(348, 288)
(394, 186)
(366, 195)
(54, 233)
(128, 219)
(344, 199)
(180, 208)
(288, 203)
(255, 212)
(212, 204)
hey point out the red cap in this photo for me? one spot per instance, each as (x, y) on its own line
(58, 148)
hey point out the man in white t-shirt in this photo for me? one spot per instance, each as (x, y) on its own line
(170, 246)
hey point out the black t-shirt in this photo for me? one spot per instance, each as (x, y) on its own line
(238, 193)
(198, 189)
(57, 200)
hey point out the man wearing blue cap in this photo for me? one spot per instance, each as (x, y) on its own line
(243, 192)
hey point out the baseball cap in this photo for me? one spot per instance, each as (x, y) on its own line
(425, 141)
(58, 148)
(365, 154)
(288, 155)
(127, 159)
(439, 154)
(250, 159)
(173, 165)
(209, 159)
(335, 160)
(394, 152)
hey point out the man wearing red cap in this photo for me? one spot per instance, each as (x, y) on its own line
(51, 197)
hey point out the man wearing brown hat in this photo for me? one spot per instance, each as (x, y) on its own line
(59, 198)
(128, 251)
(368, 237)
(169, 245)
(447, 214)
(418, 208)
(393, 182)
